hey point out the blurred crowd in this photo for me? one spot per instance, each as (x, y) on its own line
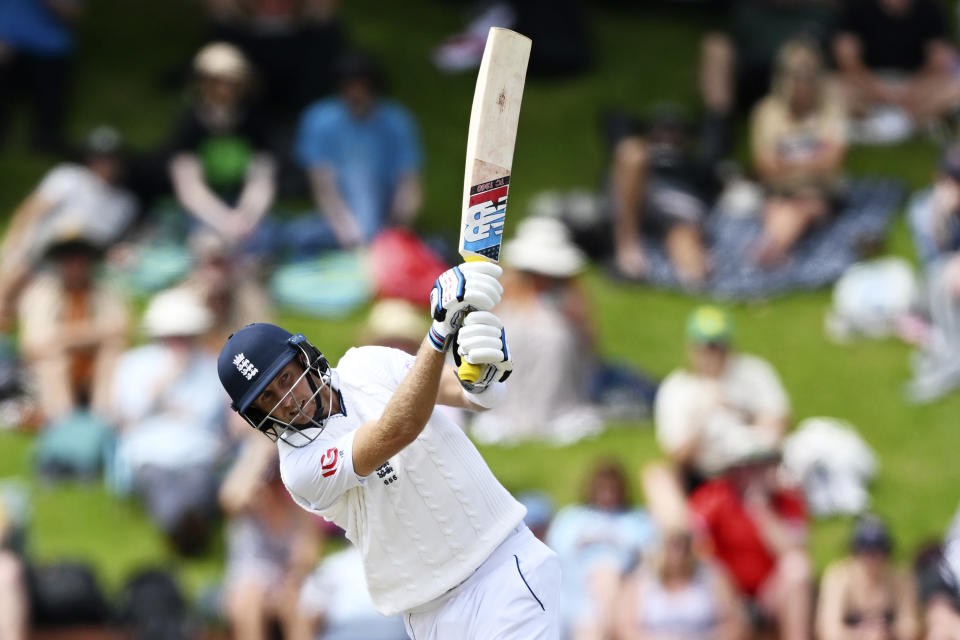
(123, 271)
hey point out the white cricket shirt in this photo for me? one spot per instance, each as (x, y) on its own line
(428, 517)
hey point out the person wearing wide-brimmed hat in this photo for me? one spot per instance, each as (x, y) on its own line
(222, 170)
(82, 198)
(757, 528)
(172, 419)
(548, 318)
(73, 328)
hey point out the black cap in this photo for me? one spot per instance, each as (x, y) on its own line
(871, 534)
(950, 161)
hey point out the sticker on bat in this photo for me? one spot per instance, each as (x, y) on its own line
(483, 230)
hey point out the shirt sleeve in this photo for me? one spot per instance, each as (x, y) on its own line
(768, 394)
(673, 408)
(407, 153)
(318, 474)
(385, 365)
(57, 184)
(314, 145)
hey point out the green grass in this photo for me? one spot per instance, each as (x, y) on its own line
(644, 57)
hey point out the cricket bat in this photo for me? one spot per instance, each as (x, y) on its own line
(490, 142)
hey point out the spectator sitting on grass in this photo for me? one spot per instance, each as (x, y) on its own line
(935, 224)
(700, 411)
(757, 529)
(663, 183)
(172, 418)
(798, 142)
(598, 542)
(677, 594)
(863, 595)
(546, 314)
(272, 546)
(232, 294)
(362, 154)
(897, 54)
(222, 171)
(73, 328)
(83, 199)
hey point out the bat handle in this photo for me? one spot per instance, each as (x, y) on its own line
(469, 372)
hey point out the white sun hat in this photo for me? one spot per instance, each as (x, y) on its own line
(176, 312)
(222, 60)
(542, 245)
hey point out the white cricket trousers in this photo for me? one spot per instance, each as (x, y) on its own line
(513, 595)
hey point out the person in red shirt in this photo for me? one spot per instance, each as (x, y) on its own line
(757, 530)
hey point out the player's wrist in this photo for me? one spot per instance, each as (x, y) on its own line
(439, 337)
(487, 395)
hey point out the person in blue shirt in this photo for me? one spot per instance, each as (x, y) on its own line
(598, 542)
(362, 156)
(36, 51)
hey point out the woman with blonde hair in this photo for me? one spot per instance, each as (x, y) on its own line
(798, 142)
(679, 596)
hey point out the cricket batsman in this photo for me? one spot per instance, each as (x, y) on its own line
(364, 446)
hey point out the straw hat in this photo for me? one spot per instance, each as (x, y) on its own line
(542, 245)
(393, 319)
(222, 60)
(176, 312)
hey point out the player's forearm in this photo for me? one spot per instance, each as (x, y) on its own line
(405, 415)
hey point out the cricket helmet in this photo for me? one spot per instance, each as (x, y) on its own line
(251, 359)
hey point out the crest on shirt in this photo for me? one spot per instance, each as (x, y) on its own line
(244, 366)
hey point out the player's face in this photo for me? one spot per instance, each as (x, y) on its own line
(289, 397)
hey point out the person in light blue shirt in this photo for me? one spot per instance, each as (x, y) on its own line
(598, 543)
(36, 52)
(362, 156)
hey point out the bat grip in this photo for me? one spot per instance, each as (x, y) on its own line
(467, 371)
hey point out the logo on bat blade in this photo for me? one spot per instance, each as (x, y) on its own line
(486, 221)
(486, 212)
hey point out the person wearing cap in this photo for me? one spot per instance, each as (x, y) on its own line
(863, 596)
(84, 199)
(171, 416)
(934, 218)
(73, 328)
(546, 312)
(365, 446)
(222, 170)
(756, 526)
(362, 155)
(721, 392)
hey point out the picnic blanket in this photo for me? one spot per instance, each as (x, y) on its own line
(817, 261)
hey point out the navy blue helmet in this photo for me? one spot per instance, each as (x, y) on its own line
(249, 362)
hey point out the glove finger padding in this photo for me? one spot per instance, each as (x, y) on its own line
(482, 292)
(481, 267)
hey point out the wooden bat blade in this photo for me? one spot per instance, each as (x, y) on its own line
(490, 142)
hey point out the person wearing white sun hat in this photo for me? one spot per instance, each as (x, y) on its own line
(546, 313)
(171, 415)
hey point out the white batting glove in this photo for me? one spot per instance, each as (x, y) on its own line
(470, 286)
(482, 341)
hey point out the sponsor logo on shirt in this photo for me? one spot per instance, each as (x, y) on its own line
(328, 462)
(385, 473)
